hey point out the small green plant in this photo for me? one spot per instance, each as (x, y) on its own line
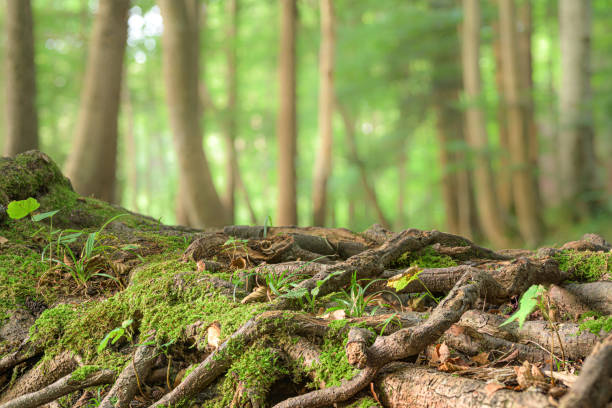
(307, 298)
(355, 301)
(408, 277)
(234, 243)
(535, 297)
(267, 224)
(79, 267)
(278, 283)
(388, 320)
(117, 333)
(19, 209)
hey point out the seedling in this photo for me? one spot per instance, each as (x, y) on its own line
(308, 297)
(117, 333)
(535, 297)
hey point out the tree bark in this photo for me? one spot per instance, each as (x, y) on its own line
(91, 165)
(231, 112)
(576, 146)
(525, 193)
(20, 80)
(489, 214)
(323, 159)
(180, 62)
(286, 127)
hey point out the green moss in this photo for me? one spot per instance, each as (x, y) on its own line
(586, 266)
(333, 365)
(164, 297)
(595, 323)
(83, 372)
(365, 402)
(425, 258)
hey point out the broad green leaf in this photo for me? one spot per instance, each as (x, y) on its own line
(19, 209)
(40, 217)
(527, 304)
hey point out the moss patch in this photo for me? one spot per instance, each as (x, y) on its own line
(586, 266)
(334, 366)
(595, 323)
(425, 258)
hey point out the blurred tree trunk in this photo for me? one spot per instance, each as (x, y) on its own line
(504, 175)
(286, 127)
(525, 192)
(323, 158)
(576, 146)
(91, 165)
(353, 156)
(231, 111)
(20, 79)
(400, 220)
(446, 83)
(180, 62)
(130, 146)
(489, 214)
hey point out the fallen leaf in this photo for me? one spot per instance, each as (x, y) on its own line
(259, 294)
(201, 265)
(214, 335)
(3, 240)
(335, 315)
(238, 263)
(481, 358)
(438, 353)
(450, 367)
(492, 387)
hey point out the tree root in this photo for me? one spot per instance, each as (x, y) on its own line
(594, 386)
(405, 385)
(61, 387)
(131, 379)
(597, 295)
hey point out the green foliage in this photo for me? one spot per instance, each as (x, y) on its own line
(586, 266)
(355, 301)
(425, 258)
(83, 372)
(595, 323)
(117, 333)
(19, 209)
(411, 275)
(308, 298)
(527, 304)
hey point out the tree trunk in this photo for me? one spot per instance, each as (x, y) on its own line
(180, 62)
(353, 156)
(489, 214)
(525, 193)
(446, 85)
(577, 152)
(20, 79)
(286, 127)
(231, 111)
(91, 165)
(504, 175)
(323, 159)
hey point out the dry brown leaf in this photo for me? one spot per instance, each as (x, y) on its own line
(201, 265)
(335, 315)
(238, 263)
(437, 353)
(450, 367)
(481, 358)
(214, 335)
(259, 294)
(492, 387)
(3, 240)
(529, 375)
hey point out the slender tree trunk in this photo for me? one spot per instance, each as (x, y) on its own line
(525, 193)
(286, 127)
(180, 62)
(20, 79)
(91, 165)
(576, 145)
(323, 159)
(231, 112)
(349, 131)
(489, 214)
(400, 221)
(130, 144)
(504, 175)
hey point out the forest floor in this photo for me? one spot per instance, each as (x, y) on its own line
(100, 307)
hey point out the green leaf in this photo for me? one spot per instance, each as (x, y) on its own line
(527, 304)
(89, 245)
(126, 323)
(40, 217)
(19, 209)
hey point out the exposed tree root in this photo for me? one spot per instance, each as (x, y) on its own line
(594, 386)
(597, 295)
(404, 385)
(61, 387)
(131, 379)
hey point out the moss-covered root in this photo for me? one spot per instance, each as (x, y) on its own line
(76, 381)
(131, 378)
(220, 361)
